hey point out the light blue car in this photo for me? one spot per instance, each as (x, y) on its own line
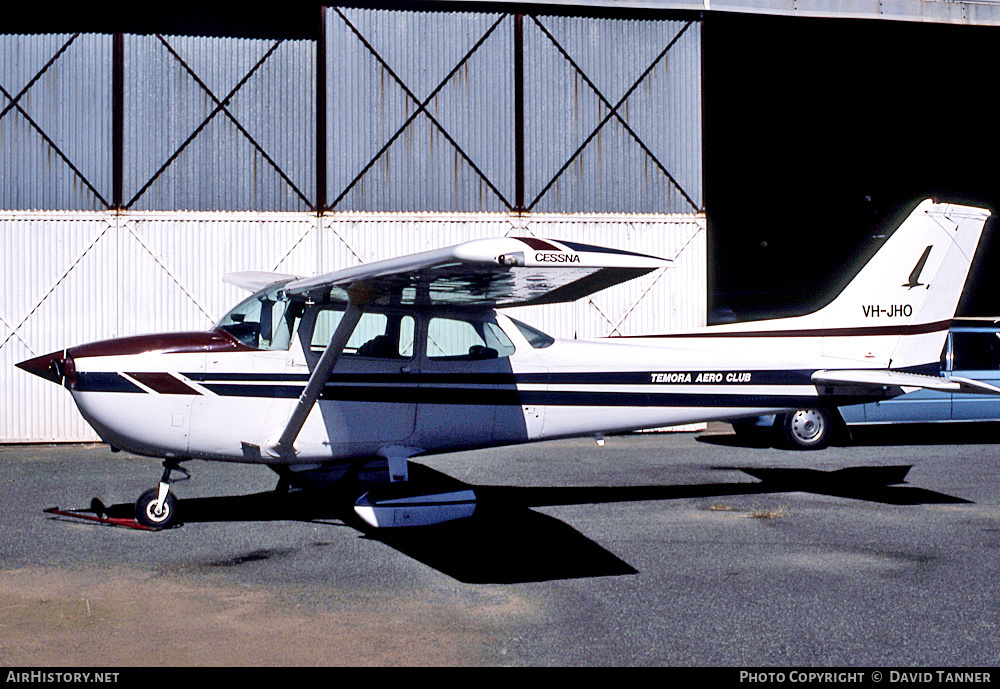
(972, 350)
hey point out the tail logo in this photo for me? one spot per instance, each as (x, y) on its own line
(917, 269)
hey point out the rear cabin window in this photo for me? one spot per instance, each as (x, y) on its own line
(461, 340)
(535, 337)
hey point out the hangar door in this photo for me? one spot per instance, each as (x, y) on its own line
(500, 112)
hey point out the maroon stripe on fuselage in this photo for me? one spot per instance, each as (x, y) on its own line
(870, 331)
(163, 383)
(168, 343)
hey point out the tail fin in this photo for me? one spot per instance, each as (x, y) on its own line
(903, 300)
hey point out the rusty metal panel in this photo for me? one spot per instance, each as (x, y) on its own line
(219, 124)
(406, 130)
(613, 115)
(55, 121)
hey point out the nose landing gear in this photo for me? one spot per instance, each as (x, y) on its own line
(157, 507)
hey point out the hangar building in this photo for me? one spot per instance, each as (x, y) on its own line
(757, 144)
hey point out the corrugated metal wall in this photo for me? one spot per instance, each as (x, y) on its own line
(613, 115)
(421, 112)
(219, 124)
(55, 121)
(81, 277)
(138, 169)
(611, 111)
(207, 123)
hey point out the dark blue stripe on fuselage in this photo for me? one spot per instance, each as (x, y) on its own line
(511, 396)
(664, 377)
(495, 388)
(104, 382)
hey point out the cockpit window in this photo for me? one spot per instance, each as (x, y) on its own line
(265, 320)
(454, 339)
(376, 336)
(536, 338)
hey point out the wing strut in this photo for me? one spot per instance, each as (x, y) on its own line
(285, 444)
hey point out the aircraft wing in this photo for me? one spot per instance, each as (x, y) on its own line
(878, 379)
(500, 272)
(255, 280)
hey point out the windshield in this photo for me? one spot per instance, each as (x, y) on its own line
(265, 320)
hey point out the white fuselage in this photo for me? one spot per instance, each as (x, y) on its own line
(406, 356)
(218, 401)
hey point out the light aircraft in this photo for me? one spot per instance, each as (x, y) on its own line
(412, 356)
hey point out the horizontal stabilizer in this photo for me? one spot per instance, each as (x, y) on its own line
(878, 379)
(976, 387)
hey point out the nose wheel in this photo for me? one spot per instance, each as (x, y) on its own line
(157, 507)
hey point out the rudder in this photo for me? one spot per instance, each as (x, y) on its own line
(897, 310)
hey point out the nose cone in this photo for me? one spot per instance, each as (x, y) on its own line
(48, 366)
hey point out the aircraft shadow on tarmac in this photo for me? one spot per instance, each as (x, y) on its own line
(507, 541)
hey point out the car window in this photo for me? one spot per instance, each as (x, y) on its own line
(976, 351)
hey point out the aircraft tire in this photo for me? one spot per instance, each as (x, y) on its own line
(144, 511)
(807, 429)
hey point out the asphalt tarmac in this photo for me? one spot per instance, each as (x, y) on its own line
(689, 549)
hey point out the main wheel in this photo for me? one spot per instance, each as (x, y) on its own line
(146, 515)
(807, 429)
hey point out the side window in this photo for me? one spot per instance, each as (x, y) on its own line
(377, 335)
(461, 340)
(535, 337)
(976, 351)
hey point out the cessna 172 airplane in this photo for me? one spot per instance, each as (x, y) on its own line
(412, 356)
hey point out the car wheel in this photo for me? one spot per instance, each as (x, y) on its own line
(807, 429)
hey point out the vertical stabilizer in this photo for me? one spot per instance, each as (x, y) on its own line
(903, 300)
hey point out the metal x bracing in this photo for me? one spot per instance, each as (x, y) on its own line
(220, 107)
(421, 108)
(612, 114)
(617, 324)
(13, 104)
(52, 288)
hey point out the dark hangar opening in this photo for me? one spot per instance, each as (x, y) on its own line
(820, 132)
